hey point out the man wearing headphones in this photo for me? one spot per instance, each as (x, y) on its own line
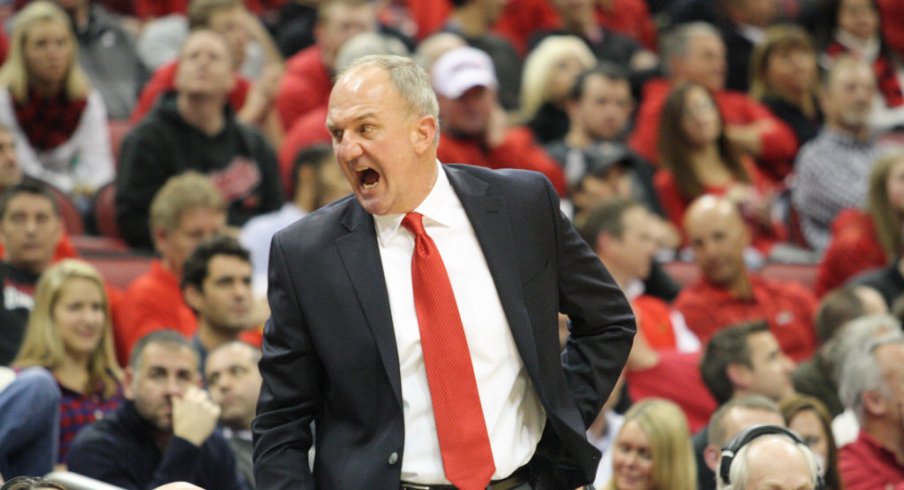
(768, 457)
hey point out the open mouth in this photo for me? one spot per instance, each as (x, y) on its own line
(368, 178)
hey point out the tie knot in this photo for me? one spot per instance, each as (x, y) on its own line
(414, 222)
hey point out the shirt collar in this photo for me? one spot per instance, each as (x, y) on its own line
(437, 208)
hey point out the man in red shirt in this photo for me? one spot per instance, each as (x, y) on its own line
(474, 125)
(872, 385)
(696, 53)
(308, 78)
(728, 293)
(187, 210)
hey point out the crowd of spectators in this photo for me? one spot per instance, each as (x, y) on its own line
(695, 144)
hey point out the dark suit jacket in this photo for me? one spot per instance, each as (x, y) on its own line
(330, 354)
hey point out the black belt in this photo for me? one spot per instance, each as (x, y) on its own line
(518, 477)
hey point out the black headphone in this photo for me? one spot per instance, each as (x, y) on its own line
(747, 436)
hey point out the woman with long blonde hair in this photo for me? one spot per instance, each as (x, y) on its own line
(59, 122)
(653, 449)
(546, 82)
(70, 334)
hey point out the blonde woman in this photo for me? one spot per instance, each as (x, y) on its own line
(69, 333)
(653, 449)
(59, 122)
(549, 74)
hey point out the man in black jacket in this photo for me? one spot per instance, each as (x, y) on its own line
(193, 128)
(165, 430)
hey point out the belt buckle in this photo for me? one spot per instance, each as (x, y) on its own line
(415, 486)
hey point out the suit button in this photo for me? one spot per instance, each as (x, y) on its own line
(393, 458)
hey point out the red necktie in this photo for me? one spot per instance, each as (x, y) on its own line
(460, 426)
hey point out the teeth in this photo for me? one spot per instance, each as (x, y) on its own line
(369, 186)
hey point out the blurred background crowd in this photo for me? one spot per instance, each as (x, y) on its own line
(737, 165)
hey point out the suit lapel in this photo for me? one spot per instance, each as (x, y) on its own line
(361, 256)
(489, 217)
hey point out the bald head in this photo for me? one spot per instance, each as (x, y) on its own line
(775, 462)
(718, 235)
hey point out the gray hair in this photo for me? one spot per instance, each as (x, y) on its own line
(740, 468)
(860, 371)
(853, 338)
(366, 44)
(676, 43)
(408, 78)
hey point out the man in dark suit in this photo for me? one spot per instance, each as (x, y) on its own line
(351, 348)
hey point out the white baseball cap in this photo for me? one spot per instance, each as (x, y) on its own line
(461, 69)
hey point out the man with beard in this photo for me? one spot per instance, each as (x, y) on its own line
(833, 168)
(165, 430)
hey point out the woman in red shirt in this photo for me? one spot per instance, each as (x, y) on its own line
(867, 239)
(697, 159)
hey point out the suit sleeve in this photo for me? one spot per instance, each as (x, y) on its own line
(601, 323)
(291, 393)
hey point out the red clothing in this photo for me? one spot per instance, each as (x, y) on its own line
(306, 131)
(892, 12)
(675, 377)
(788, 308)
(152, 302)
(654, 322)
(779, 144)
(146, 9)
(674, 204)
(865, 465)
(305, 86)
(854, 248)
(518, 150)
(429, 15)
(631, 18)
(518, 22)
(164, 80)
(522, 18)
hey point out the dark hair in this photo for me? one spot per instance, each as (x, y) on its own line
(606, 218)
(169, 337)
(312, 155)
(28, 186)
(605, 69)
(796, 404)
(197, 265)
(837, 308)
(674, 146)
(31, 483)
(726, 347)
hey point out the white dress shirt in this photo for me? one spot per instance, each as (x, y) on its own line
(513, 414)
